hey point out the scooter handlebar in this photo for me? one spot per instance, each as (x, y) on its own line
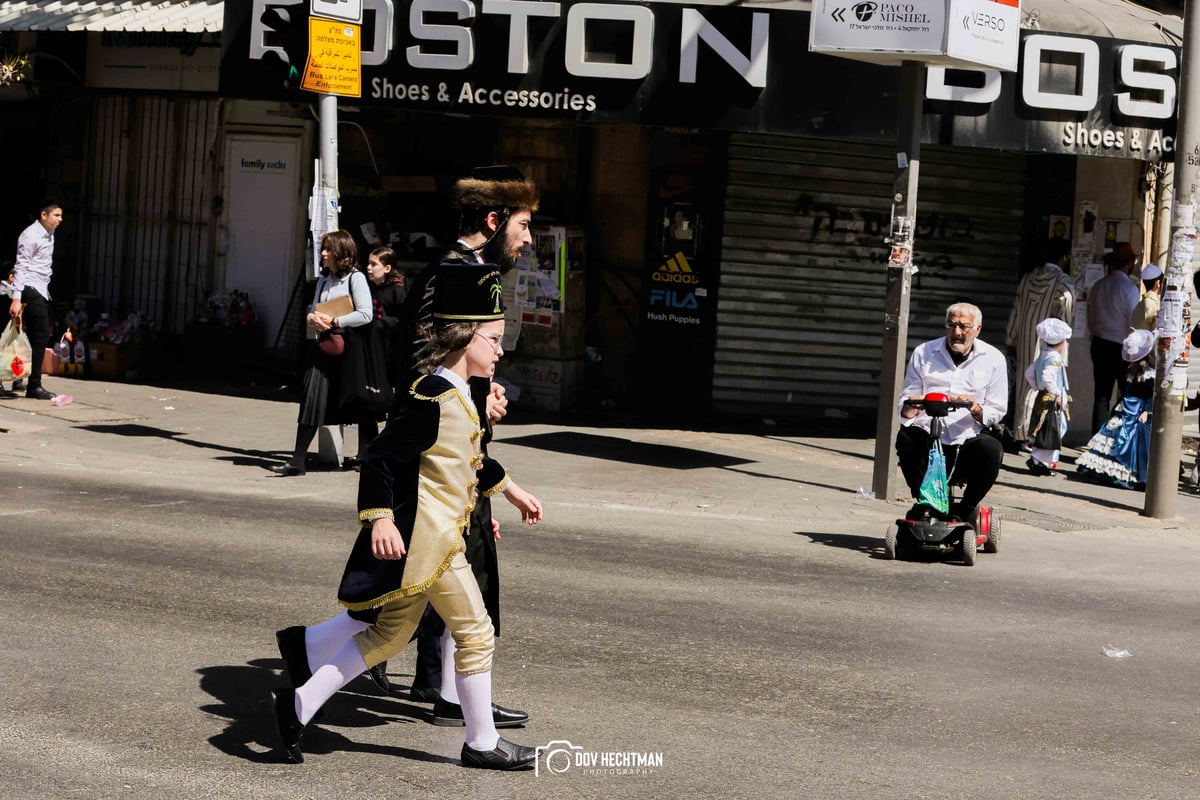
(937, 405)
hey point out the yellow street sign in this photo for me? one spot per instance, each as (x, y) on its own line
(334, 64)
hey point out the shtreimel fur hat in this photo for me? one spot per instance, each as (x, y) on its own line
(499, 186)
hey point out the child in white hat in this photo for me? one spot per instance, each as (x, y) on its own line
(1119, 453)
(1048, 374)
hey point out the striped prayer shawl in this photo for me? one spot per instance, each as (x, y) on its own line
(1043, 292)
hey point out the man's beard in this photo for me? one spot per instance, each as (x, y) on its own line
(498, 252)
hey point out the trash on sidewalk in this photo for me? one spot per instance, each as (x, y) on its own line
(61, 400)
(863, 494)
(1114, 652)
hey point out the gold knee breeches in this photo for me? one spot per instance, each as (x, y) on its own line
(455, 597)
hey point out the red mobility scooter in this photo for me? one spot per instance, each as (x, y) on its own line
(926, 529)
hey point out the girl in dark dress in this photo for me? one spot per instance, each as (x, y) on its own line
(388, 293)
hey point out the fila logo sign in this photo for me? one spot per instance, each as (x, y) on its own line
(673, 299)
(1144, 87)
(676, 269)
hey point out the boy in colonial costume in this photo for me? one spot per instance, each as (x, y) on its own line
(1048, 376)
(416, 493)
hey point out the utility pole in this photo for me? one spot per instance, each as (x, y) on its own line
(899, 274)
(327, 152)
(1170, 380)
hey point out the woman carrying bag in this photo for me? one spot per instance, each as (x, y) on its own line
(340, 277)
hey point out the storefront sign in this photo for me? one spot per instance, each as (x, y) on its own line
(719, 67)
(154, 61)
(962, 33)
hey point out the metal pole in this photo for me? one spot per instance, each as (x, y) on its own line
(1170, 383)
(329, 439)
(328, 153)
(899, 275)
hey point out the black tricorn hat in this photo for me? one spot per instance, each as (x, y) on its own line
(467, 293)
(499, 186)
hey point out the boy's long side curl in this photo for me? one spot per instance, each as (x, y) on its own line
(439, 340)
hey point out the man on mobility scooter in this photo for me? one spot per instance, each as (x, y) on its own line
(973, 377)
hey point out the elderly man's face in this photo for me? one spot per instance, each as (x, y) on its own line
(961, 331)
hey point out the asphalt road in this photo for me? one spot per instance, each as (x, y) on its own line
(760, 650)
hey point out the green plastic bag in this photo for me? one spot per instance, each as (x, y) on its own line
(935, 489)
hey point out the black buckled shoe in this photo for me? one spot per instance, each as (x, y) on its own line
(450, 715)
(294, 654)
(378, 675)
(424, 694)
(38, 393)
(287, 470)
(287, 725)
(504, 756)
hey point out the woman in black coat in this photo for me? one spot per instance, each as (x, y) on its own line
(319, 401)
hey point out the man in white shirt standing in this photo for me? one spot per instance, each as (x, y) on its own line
(1110, 304)
(31, 289)
(964, 367)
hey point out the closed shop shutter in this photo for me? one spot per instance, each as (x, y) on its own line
(149, 200)
(803, 278)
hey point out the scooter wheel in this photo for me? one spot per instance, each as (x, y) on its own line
(992, 545)
(889, 542)
(967, 548)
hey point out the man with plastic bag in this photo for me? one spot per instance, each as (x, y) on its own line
(31, 290)
(966, 368)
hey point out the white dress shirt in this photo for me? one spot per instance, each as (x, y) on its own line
(1110, 303)
(983, 375)
(35, 257)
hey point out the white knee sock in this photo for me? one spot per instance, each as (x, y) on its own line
(449, 691)
(475, 693)
(344, 666)
(323, 639)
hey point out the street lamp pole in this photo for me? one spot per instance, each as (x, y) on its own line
(1170, 383)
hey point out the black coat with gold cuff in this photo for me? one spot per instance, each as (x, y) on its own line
(422, 471)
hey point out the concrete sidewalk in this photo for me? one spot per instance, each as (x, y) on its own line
(222, 445)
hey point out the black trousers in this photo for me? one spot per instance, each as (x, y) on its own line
(975, 462)
(36, 322)
(1107, 368)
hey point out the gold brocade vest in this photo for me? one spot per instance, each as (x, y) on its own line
(445, 492)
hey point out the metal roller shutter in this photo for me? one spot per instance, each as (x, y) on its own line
(800, 308)
(149, 196)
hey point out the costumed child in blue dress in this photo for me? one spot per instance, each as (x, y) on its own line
(1048, 375)
(1119, 453)
(415, 495)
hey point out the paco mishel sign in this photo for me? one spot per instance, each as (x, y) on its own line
(713, 67)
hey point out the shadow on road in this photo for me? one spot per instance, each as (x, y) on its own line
(242, 694)
(872, 546)
(250, 458)
(625, 451)
(807, 442)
